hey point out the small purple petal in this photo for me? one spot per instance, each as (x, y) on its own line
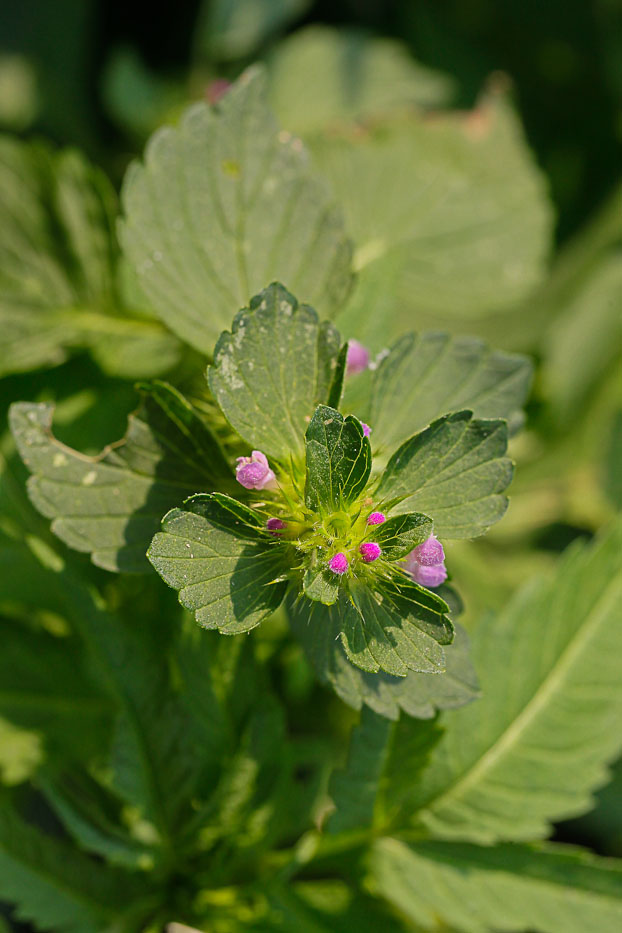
(358, 358)
(366, 429)
(429, 553)
(376, 518)
(254, 472)
(216, 89)
(338, 563)
(274, 525)
(369, 551)
(428, 576)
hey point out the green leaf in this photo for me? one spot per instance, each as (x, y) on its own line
(338, 460)
(425, 376)
(613, 474)
(56, 888)
(111, 505)
(384, 760)
(322, 77)
(400, 534)
(321, 584)
(418, 695)
(272, 370)
(226, 571)
(453, 212)
(475, 890)
(336, 390)
(455, 472)
(552, 698)
(235, 29)
(400, 629)
(58, 259)
(224, 204)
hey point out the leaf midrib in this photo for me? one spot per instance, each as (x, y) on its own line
(538, 701)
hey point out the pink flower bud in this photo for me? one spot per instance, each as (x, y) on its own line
(376, 518)
(275, 525)
(338, 563)
(369, 551)
(358, 358)
(429, 553)
(366, 429)
(216, 89)
(254, 472)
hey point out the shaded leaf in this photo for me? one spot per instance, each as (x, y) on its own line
(455, 471)
(111, 505)
(400, 534)
(224, 204)
(226, 571)
(271, 371)
(338, 460)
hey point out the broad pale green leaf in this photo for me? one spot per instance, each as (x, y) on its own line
(111, 505)
(400, 629)
(338, 460)
(511, 888)
(55, 887)
(585, 338)
(229, 573)
(322, 77)
(540, 739)
(400, 534)
(272, 370)
(451, 210)
(425, 376)
(419, 695)
(455, 471)
(223, 205)
(383, 763)
(58, 269)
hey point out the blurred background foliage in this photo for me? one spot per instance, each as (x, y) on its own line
(469, 95)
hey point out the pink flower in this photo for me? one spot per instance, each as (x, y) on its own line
(254, 472)
(216, 89)
(369, 551)
(338, 563)
(358, 358)
(275, 525)
(376, 518)
(426, 563)
(366, 429)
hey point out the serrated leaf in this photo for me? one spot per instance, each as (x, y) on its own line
(400, 534)
(322, 77)
(338, 460)
(321, 584)
(111, 505)
(271, 371)
(418, 695)
(398, 630)
(455, 471)
(226, 571)
(55, 887)
(452, 211)
(511, 888)
(58, 268)
(384, 760)
(540, 739)
(425, 376)
(223, 205)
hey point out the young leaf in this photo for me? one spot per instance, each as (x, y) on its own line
(225, 570)
(338, 460)
(58, 266)
(383, 763)
(455, 471)
(476, 889)
(55, 887)
(111, 505)
(418, 695)
(321, 584)
(271, 371)
(399, 630)
(552, 698)
(224, 204)
(424, 376)
(400, 534)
